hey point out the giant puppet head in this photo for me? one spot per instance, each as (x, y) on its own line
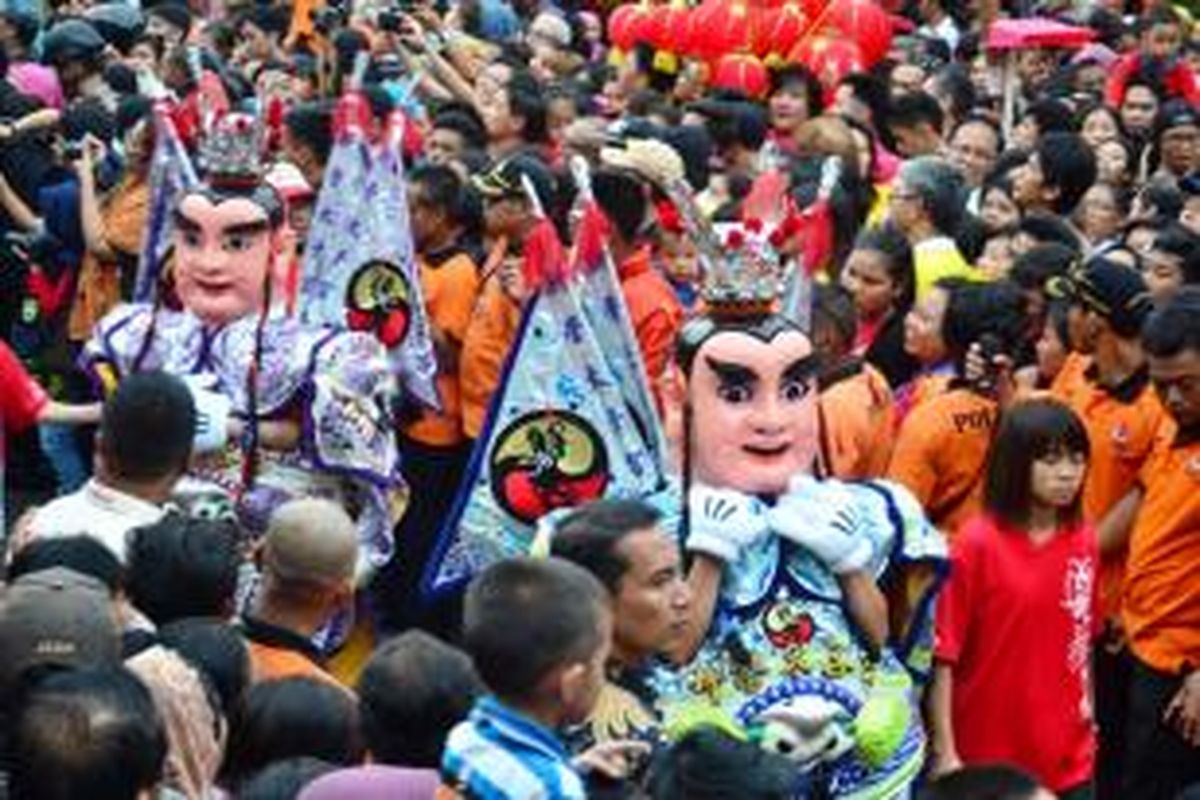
(227, 232)
(751, 401)
(751, 412)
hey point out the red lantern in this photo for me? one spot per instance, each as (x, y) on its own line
(679, 30)
(829, 58)
(662, 26)
(743, 73)
(721, 27)
(767, 17)
(817, 10)
(780, 31)
(623, 25)
(868, 25)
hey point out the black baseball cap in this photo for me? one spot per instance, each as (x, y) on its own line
(504, 180)
(56, 617)
(1114, 291)
(71, 40)
(1176, 114)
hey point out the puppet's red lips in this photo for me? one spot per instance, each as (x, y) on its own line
(214, 287)
(767, 451)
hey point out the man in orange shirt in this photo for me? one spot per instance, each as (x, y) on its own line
(308, 563)
(942, 447)
(509, 219)
(1111, 392)
(433, 446)
(654, 308)
(1161, 600)
(855, 403)
(1113, 396)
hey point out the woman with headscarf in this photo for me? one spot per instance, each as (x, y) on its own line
(196, 730)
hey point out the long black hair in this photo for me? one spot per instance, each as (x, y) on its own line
(1029, 432)
(889, 242)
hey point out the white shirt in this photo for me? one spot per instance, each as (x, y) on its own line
(98, 511)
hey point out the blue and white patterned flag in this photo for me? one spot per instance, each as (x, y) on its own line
(359, 266)
(171, 175)
(572, 421)
(603, 303)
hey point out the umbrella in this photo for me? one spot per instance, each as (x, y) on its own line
(1016, 34)
(1011, 35)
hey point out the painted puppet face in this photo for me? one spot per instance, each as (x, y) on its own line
(754, 412)
(222, 253)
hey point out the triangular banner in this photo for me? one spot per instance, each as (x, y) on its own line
(359, 265)
(561, 432)
(171, 174)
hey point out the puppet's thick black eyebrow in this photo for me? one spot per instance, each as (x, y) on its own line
(802, 368)
(246, 228)
(186, 223)
(728, 372)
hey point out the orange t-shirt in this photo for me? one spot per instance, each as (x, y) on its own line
(917, 391)
(494, 322)
(858, 422)
(269, 663)
(1121, 424)
(1161, 598)
(98, 288)
(449, 291)
(941, 454)
(277, 652)
(654, 311)
(1071, 374)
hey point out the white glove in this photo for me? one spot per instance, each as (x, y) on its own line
(823, 519)
(723, 521)
(212, 413)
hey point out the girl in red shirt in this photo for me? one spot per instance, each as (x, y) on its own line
(1017, 618)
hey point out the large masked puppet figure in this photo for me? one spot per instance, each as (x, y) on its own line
(820, 592)
(286, 409)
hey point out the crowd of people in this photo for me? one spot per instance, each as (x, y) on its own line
(932, 529)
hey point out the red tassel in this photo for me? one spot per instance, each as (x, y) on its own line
(590, 238)
(668, 217)
(543, 259)
(352, 113)
(816, 231)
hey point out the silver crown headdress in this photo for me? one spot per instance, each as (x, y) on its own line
(232, 152)
(741, 272)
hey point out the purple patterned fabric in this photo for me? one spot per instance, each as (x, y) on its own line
(338, 384)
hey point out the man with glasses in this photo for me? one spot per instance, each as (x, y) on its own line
(975, 145)
(927, 206)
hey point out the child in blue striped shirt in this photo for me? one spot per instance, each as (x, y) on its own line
(539, 632)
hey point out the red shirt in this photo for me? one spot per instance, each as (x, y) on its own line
(1015, 623)
(21, 400)
(1178, 81)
